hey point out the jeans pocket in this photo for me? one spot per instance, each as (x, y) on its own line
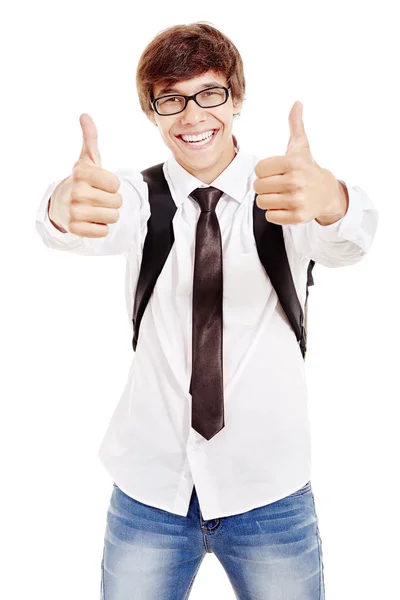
(303, 490)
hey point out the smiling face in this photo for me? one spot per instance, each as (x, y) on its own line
(205, 160)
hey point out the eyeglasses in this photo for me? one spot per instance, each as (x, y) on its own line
(174, 104)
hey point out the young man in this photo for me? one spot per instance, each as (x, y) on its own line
(200, 466)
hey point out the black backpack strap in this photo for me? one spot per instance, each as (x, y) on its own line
(160, 238)
(310, 281)
(158, 242)
(272, 252)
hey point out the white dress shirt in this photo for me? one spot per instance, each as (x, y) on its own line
(263, 452)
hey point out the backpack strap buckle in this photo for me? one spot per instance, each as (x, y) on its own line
(303, 336)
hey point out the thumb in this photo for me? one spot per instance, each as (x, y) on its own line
(298, 138)
(90, 151)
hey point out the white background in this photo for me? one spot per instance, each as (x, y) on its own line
(65, 343)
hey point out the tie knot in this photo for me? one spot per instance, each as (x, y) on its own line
(207, 197)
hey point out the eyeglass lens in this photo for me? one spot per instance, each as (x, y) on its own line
(206, 99)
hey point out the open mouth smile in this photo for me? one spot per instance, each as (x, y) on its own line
(197, 145)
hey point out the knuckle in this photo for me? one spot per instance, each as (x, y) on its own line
(73, 212)
(294, 162)
(79, 173)
(114, 215)
(115, 183)
(294, 181)
(300, 215)
(257, 186)
(300, 201)
(73, 228)
(258, 170)
(77, 191)
(259, 202)
(103, 231)
(117, 200)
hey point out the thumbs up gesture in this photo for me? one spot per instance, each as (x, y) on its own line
(94, 197)
(88, 200)
(90, 151)
(293, 188)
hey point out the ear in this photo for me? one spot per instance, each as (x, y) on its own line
(237, 106)
(152, 118)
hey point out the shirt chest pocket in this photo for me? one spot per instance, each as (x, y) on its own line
(246, 289)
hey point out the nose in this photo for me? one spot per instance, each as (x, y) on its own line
(193, 113)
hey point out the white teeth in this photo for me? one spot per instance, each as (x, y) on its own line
(197, 138)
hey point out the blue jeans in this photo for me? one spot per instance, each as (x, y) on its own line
(269, 553)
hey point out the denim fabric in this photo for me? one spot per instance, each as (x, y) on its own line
(272, 552)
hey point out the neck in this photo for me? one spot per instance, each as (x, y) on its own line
(209, 174)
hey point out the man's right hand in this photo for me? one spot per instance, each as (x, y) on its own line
(88, 200)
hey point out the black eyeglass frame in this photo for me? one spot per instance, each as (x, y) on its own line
(187, 98)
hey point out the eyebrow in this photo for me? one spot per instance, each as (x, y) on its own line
(202, 87)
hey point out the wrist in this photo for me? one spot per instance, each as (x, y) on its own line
(339, 205)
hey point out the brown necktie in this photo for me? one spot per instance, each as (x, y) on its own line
(206, 386)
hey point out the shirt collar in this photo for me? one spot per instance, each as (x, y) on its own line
(234, 180)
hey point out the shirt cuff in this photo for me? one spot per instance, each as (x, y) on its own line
(348, 227)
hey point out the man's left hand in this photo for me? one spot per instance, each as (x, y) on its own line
(294, 188)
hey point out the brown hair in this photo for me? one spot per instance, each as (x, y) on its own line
(185, 51)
